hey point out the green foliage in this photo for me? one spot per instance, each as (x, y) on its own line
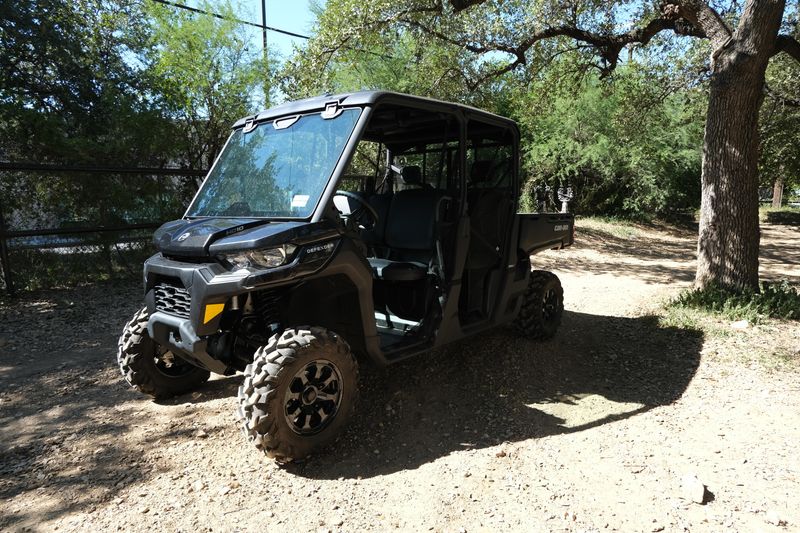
(779, 125)
(120, 83)
(204, 74)
(774, 300)
(629, 144)
(68, 92)
(395, 60)
(780, 119)
(104, 84)
(626, 149)
(97, 82)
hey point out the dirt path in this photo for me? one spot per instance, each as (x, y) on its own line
(592, 431)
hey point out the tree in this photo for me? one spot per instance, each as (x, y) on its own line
(625, 147)
(204, 74)
(70, 95)
(780, 124)
(741, 43)
(68, 92)
(393, 61)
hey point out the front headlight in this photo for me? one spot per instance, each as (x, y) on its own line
(265, 258)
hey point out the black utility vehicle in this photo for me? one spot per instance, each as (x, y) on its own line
(366, 226)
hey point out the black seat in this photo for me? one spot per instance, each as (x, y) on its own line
(412, 178)
(410, 235)
(375, 237)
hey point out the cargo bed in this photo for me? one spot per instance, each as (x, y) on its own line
(545, 231)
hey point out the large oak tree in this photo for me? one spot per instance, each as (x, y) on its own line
(505, 34)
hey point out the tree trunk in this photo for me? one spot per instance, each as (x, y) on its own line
(777, 190)
(727, 249)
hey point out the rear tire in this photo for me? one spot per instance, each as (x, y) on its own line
(151, 370)
(542, 307)
(298, 393)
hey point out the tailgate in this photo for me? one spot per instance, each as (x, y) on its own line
(545, 231)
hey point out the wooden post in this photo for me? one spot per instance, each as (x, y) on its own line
(4, 262)
(777, 191)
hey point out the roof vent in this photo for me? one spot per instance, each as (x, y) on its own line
(249, 125)
(332, 110)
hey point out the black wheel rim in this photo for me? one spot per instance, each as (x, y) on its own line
(313, 397)
(170, 365)
(550, 303)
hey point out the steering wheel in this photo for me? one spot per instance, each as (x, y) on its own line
(364, 207)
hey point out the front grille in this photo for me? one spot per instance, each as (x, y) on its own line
(173, 300)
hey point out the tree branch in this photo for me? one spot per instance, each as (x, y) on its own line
(693, 18)
(608, 46)
(789, 45)
(702, 18)
(495, 73)
(779, 98)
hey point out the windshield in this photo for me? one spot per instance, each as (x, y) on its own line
(272, 172)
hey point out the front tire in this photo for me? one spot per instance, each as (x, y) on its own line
(542, 307)
(298, 393)
(150, 369)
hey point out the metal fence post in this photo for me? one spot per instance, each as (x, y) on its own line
(4, 262)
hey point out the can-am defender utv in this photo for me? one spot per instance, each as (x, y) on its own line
(366, 226)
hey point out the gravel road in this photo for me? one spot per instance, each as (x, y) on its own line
(609, 426)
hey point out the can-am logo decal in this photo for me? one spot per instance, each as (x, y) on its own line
(184, 237)
(562, 227)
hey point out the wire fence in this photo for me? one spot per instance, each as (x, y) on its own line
(66, 225)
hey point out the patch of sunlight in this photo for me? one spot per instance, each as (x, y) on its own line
(585, 409)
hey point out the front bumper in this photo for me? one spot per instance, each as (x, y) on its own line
(205, 284)
(179, 336)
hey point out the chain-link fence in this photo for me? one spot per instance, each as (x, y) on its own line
(61, 226)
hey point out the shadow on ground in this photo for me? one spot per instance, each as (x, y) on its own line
(58, 446)
(787, 217)
(71, 435)
(652, 258)
(72, 441)
(779, 255)
(64, 435)
(498, 388)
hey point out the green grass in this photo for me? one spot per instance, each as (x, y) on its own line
(774, 300)
(690, 319)
(784, 215)
(767, 341)
(616, 227)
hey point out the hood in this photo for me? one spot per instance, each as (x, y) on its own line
(210, 236)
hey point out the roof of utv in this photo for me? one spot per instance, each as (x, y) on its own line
(369, 98)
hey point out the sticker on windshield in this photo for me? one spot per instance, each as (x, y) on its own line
(299, 200)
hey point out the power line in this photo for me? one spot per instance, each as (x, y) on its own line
(264, 27)
(240, 21)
